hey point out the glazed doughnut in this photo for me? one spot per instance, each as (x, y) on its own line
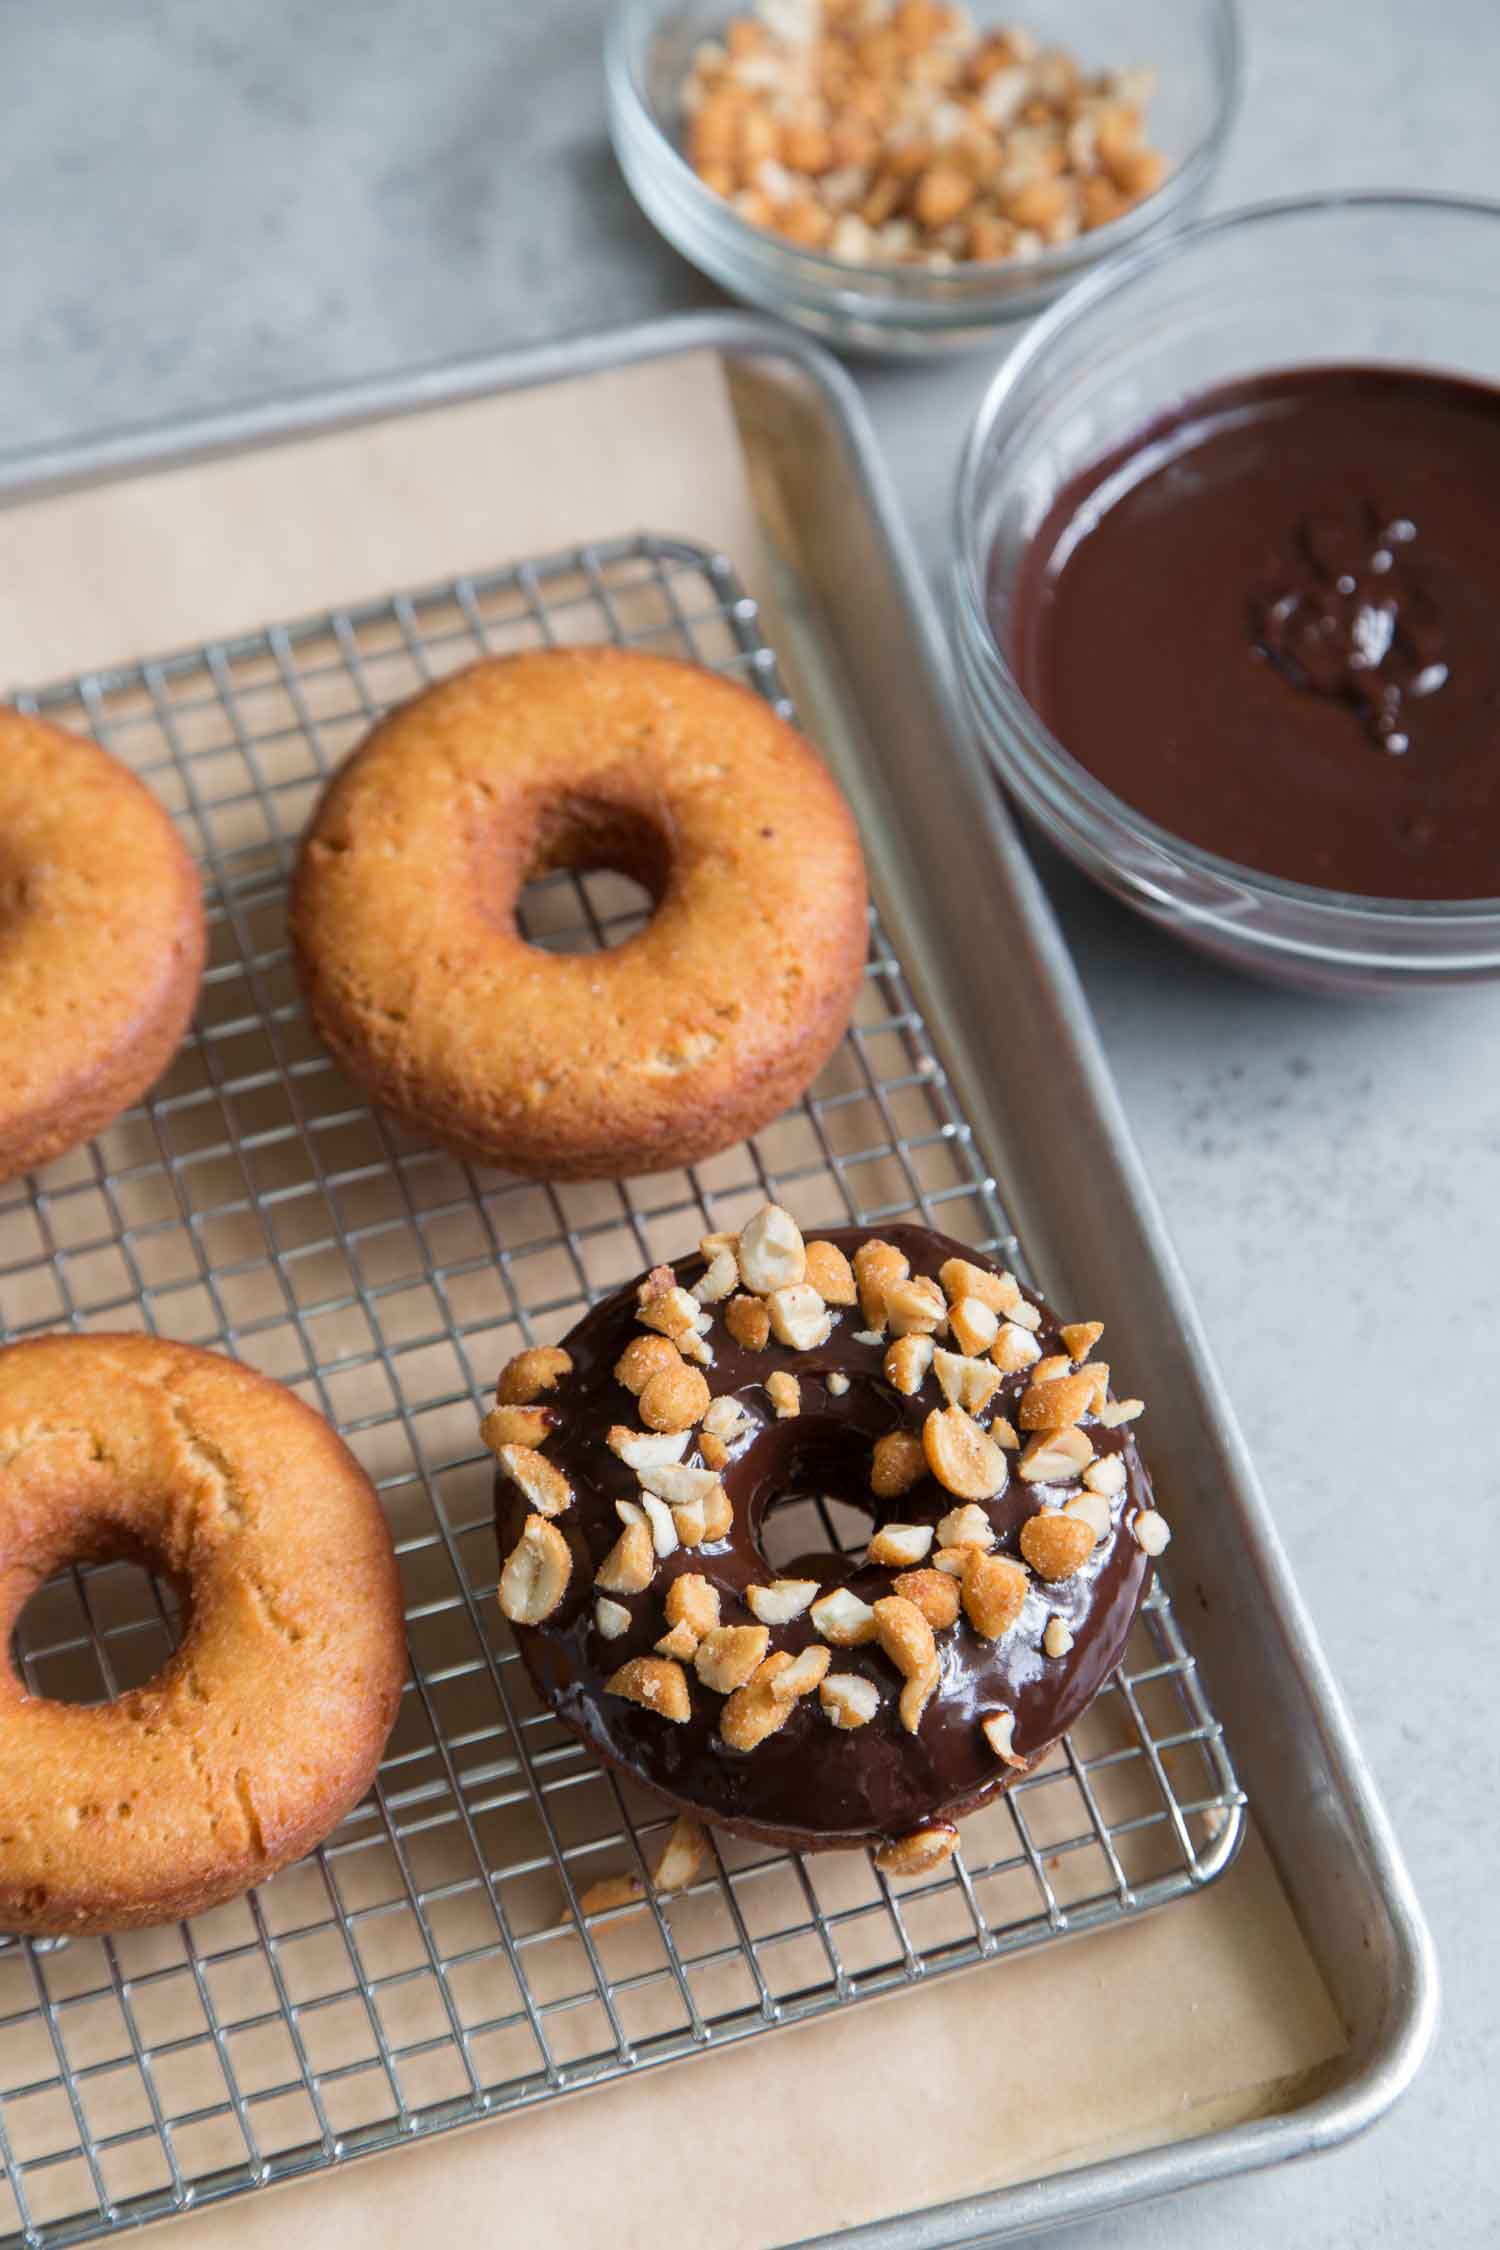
(669, 1047)
(101, 941)
(267, 1723)
(839, 1699)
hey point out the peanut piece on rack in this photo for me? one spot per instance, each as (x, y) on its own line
(683, 1856)
(920, 1853)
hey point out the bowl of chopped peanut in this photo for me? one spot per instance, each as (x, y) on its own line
(904, 176)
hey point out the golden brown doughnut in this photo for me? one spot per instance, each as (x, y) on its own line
(677, 1043)
(101, 941)
(267, 1723)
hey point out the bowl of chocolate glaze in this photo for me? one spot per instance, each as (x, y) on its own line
(1228, 586)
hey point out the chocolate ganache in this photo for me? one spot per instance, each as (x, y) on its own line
(811, 1782)
(1270, 621)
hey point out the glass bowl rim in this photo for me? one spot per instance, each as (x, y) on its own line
(906, 292)
(1113, 278)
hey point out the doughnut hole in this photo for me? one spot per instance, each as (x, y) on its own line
(811, 1511)
(90, 1635)
(592, 876)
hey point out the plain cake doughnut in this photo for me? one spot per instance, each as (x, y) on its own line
(101, 941)
(266, 1725)
(684, 1039)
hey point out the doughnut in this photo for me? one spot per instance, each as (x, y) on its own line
(101, 941)
(267, 1723)
(667, 1048)
(838, 1699)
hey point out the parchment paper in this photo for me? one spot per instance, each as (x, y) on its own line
(1209, 2012)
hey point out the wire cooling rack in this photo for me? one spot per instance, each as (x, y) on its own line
(432, 1963)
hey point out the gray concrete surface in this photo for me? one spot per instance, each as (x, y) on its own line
(203, 203)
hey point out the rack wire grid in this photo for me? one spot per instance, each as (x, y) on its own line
(434, 1962)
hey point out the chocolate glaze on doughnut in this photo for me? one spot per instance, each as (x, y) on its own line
(812, 1784)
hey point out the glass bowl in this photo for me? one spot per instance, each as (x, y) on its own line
(1192, 45)
(1410, 280)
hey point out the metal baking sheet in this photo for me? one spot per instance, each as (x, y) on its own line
(864, 651)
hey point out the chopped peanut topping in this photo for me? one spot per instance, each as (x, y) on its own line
(639, 1449)
(965, 1460)
(916, 1695)
(1014, 1349)
(671, 1312)
(692, 1600)
(782, 1600)
(518, 1425)
(799, 1317)
(895, 1545)
(719, 1279)
(903, 1633)
(1056, 1404)
(524, 1378)
(678, 1640)
(1106, 1475)
(1080, 1336)
(542, 1483)
(1114, 1411)
(1056, 1546)
(657, 1683)
(1058, 1638)
(961, 1279)
(753, 1712)
(999, 1732)
(726, 1419)
(728, 1654)
(951, 1561)
(536, 1573)
(968, 1526)
(678, 1483)
(920, 1853)
(802, 1675)
(611, 1619)
(718, 1514)
(969, 1383)
(842, 1618)
(676, 1399)
(714, 1451)
(849, 1699)
(915, 1307)
(896, 1464)
(975, 1325)
(772, 1254)
(837, 1382)
(934, 1593)
(643, 1357)
(1091, 1508)
(877, 1267)
(785, 1393)
(748, 1323)
(907, 1362)
(831, 1274)
(630, 1565)
(993, 1591)
(659, 1518)
(1151, 1531)
(1056, 1456)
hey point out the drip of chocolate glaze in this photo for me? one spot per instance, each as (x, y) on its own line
(812, 1784)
